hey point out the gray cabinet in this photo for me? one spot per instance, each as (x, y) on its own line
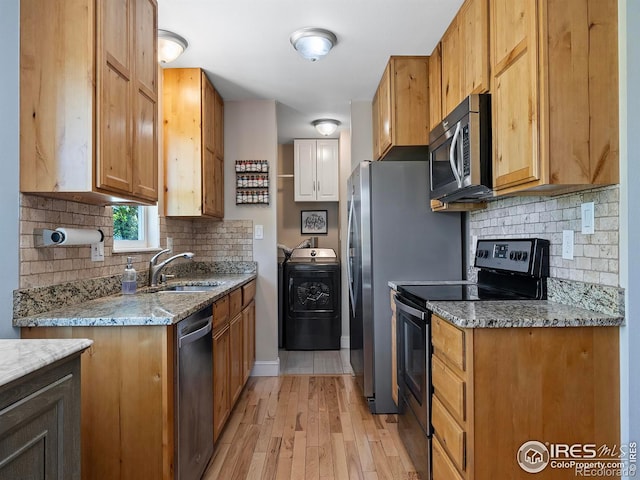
(40, 424)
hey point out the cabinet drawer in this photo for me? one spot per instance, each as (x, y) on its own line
(448, 341)
(221, 312)
(449, 433)
(448, 387)
(443, 468)
(248, 292)
(235, 302)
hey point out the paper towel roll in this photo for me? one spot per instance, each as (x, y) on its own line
(78, 236)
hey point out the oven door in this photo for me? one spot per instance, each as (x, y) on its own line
(414, 365)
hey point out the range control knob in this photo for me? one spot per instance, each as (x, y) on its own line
(512, 255)
(518, 256)
(525, 255)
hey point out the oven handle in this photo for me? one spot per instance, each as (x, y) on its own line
(422, 315)
(452, 161)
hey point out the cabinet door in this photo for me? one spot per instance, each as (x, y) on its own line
(236, 374)
(327, 171)
(114, 157)
(39, 434)
(221, 376)
(474, 35)
(218, 125)
(451, 69)
(435, 87)
(514, 99)
(385, 111)
(304, 168)
(375, 119)
(248, 346)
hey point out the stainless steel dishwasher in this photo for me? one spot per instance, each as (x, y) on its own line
(194, 398)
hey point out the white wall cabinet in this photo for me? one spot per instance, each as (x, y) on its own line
(316, 170)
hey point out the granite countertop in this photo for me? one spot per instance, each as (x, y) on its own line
(526, 313)
(21, 357)
(520, 313)
(149, 306)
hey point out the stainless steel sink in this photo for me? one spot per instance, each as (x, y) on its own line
(191, 288)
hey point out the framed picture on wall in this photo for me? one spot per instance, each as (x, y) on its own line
(313, 222)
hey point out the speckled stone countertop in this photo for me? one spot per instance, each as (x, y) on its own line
(570, 304)
(21, 357)
(520, 313)
(148, 306)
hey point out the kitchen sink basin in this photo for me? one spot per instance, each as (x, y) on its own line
(191, 288)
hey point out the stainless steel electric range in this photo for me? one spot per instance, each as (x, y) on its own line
(509, 269)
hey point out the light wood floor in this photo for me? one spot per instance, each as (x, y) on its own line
(308, 427)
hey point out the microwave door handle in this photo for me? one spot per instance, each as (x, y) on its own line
(452, 159)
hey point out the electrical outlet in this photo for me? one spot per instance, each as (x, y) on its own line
(170, 244)
(567, 244)
(97, 252)
(588, 218)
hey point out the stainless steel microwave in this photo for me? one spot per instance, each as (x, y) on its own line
(460, 153)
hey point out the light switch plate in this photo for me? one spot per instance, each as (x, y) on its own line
(567, 244)
(258, 232)
(588, 220)
(97, 252)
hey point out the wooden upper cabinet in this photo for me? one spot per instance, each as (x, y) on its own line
(400, 108)
(193, 145)
(88, 100)
(452, 67)
(435, 86)
(465, 55)
(554, 94)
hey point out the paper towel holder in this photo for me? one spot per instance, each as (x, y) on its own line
(44, 237)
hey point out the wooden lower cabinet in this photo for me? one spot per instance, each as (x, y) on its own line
(221, 366)
(233, 350)
(127, 400)
(496, 388)
(40, 424)
(249, 338)
(236, 377)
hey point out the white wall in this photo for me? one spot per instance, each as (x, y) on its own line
(251, 134)
(10, 178)
(361, 132)
(629, 29)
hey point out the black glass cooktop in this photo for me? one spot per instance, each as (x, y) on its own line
(420, 294)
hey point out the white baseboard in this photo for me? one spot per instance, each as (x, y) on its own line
(344, 341)
(266, 368)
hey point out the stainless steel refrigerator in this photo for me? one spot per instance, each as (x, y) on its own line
(392, 235)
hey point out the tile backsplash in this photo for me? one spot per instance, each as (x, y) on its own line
(210, 240)
(596, 255)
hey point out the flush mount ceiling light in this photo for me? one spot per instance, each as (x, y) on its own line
(326, 126)
(170, 46)
(313, 43)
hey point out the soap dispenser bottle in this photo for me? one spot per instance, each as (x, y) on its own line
(129, 278)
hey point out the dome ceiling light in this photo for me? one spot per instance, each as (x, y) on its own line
(326, 126)
(313, 43)
(170, 46)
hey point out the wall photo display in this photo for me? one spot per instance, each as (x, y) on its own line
(313, 222)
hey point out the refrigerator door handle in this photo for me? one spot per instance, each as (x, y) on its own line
(349, 266)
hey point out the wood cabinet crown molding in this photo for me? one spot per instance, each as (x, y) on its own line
(88, 100)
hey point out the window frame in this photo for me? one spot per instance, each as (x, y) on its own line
(148, 230)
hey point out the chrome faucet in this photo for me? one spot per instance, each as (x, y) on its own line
(154, 270)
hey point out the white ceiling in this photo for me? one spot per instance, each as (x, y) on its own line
(244, 47)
